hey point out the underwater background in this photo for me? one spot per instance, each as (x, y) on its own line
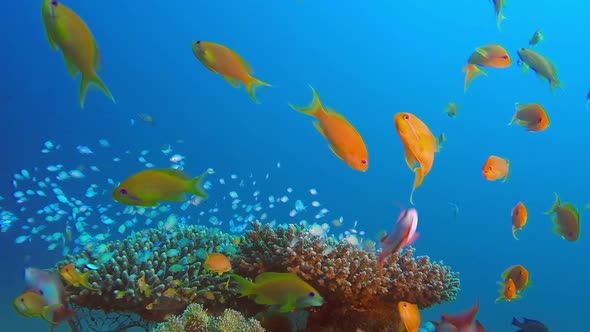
(366, 60)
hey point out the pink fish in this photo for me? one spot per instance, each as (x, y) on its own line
(49, 285)
(461, 322)
(403, 234)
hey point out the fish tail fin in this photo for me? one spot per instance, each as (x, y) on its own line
(246, 286)
(252, 85)
(501, 18)
(514, 230)
(196, 186)
(555, 205)
(93, 78)
(472, 72)
(314, 109)
(417, 182)
(555, 83)
(84, 281)
(515, 322)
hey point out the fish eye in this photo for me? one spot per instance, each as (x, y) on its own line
(22, 300)
(123, 191)
(311, 294)
(54, 2)
(41, 292)
(405, 305)
(364, 162)
(198, 42)
(540, 120)
(406, 117)
(504, 57)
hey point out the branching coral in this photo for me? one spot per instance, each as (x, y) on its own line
(154, 255)
(356, 296)
(196, 319)
(346, 276)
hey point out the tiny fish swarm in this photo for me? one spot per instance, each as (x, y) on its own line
(116, 274)
(196, 319)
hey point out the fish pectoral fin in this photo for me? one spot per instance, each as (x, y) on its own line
(318, 126)
(289, 305)
(49, 37)
(410, 158)
(260, 299)
(72, 68)
(482, 52)
(47, 310)
(233, 81)
(413, 239)
(336, 152)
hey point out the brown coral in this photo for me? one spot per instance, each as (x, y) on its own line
(345, 275)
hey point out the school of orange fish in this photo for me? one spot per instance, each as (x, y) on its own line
(67, 32)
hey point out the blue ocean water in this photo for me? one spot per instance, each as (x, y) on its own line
(366, 60)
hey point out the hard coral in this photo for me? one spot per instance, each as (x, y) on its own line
(196, 319)
(346, 276)
(145, 255)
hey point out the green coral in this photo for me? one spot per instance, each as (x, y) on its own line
(196, 319)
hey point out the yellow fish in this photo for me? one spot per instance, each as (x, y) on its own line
(148, 187)
(286, 290)
(225, 61)
(68, 32)
(69, 274)
(31, 305)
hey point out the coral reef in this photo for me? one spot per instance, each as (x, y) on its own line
(346, 276)
(196, 319)
(173, 285)
(356, 296)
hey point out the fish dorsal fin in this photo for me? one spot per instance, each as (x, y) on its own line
(246, 65)
(270, 276)
(335, 114)
(97, 59)
(175, 173)
(505, 274)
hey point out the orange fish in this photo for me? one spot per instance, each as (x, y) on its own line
(225, 61)
(73, 277)
(410, 316)
(496, 168)
(519, 275)
(492, 55)
(566, 220)
(508, 291)
(419, 146)
(519, 218)
(345, 140)
(532, 116)
(461, 322)
(218, 263)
